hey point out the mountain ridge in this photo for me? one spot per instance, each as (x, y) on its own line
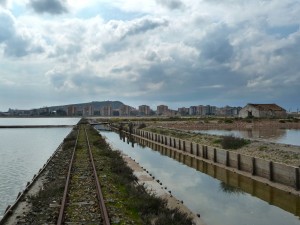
(94, 104)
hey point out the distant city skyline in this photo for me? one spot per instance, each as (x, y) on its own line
(152, 107)
(173, 52)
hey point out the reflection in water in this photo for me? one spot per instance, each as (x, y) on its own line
(284, 136)
(230, 189)
(264, 133)
(228, 199)
(269, 194)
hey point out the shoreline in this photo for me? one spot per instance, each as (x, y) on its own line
(154, 187)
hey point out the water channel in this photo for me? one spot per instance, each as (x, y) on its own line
(24, 151)
(283, 136)
(220, 196)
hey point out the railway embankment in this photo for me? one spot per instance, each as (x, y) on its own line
(127, 201)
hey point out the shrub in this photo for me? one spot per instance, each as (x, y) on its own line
(231, 142)
(228, 121)
(217, 141)
(142, 125)
(249, 120)
(263, 148)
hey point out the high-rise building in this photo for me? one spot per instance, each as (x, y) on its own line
(193, 110)
(144, 110)
(125, 110)
(71, 110)
(88, 110)
(106, 110)
(183, 111)
(162, 110)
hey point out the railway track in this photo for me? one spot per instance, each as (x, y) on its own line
(82, 201)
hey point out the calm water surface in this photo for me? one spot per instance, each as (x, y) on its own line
(283, 136)
(218, 203)
(24, 151)
(38, 121)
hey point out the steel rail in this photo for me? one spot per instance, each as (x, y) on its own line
(98, 187)
(64, 200)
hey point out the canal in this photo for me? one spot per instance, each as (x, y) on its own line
(220, 196)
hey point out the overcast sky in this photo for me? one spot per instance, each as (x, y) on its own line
(174, 52)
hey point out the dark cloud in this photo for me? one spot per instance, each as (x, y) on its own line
(66, 50)
(216, 45)
(171, 4)
(3, 2)
(123, 33)
(15, 44)
(6, 26)
(143, 25)
(54, 7)
(19, 47)
(121, 69)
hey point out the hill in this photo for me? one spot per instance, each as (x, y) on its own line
(94, 104)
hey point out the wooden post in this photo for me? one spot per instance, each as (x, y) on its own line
(170, 142)
(183, 142)
(239, 161)
(227, 158)
(271, 171)
(215, 155)
(253, 166)
(203, 151)
(192, 149)
(174, 143)
(179, 144)
(197, 153)
(297, 183)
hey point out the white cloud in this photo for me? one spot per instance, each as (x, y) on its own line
(205, 49)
